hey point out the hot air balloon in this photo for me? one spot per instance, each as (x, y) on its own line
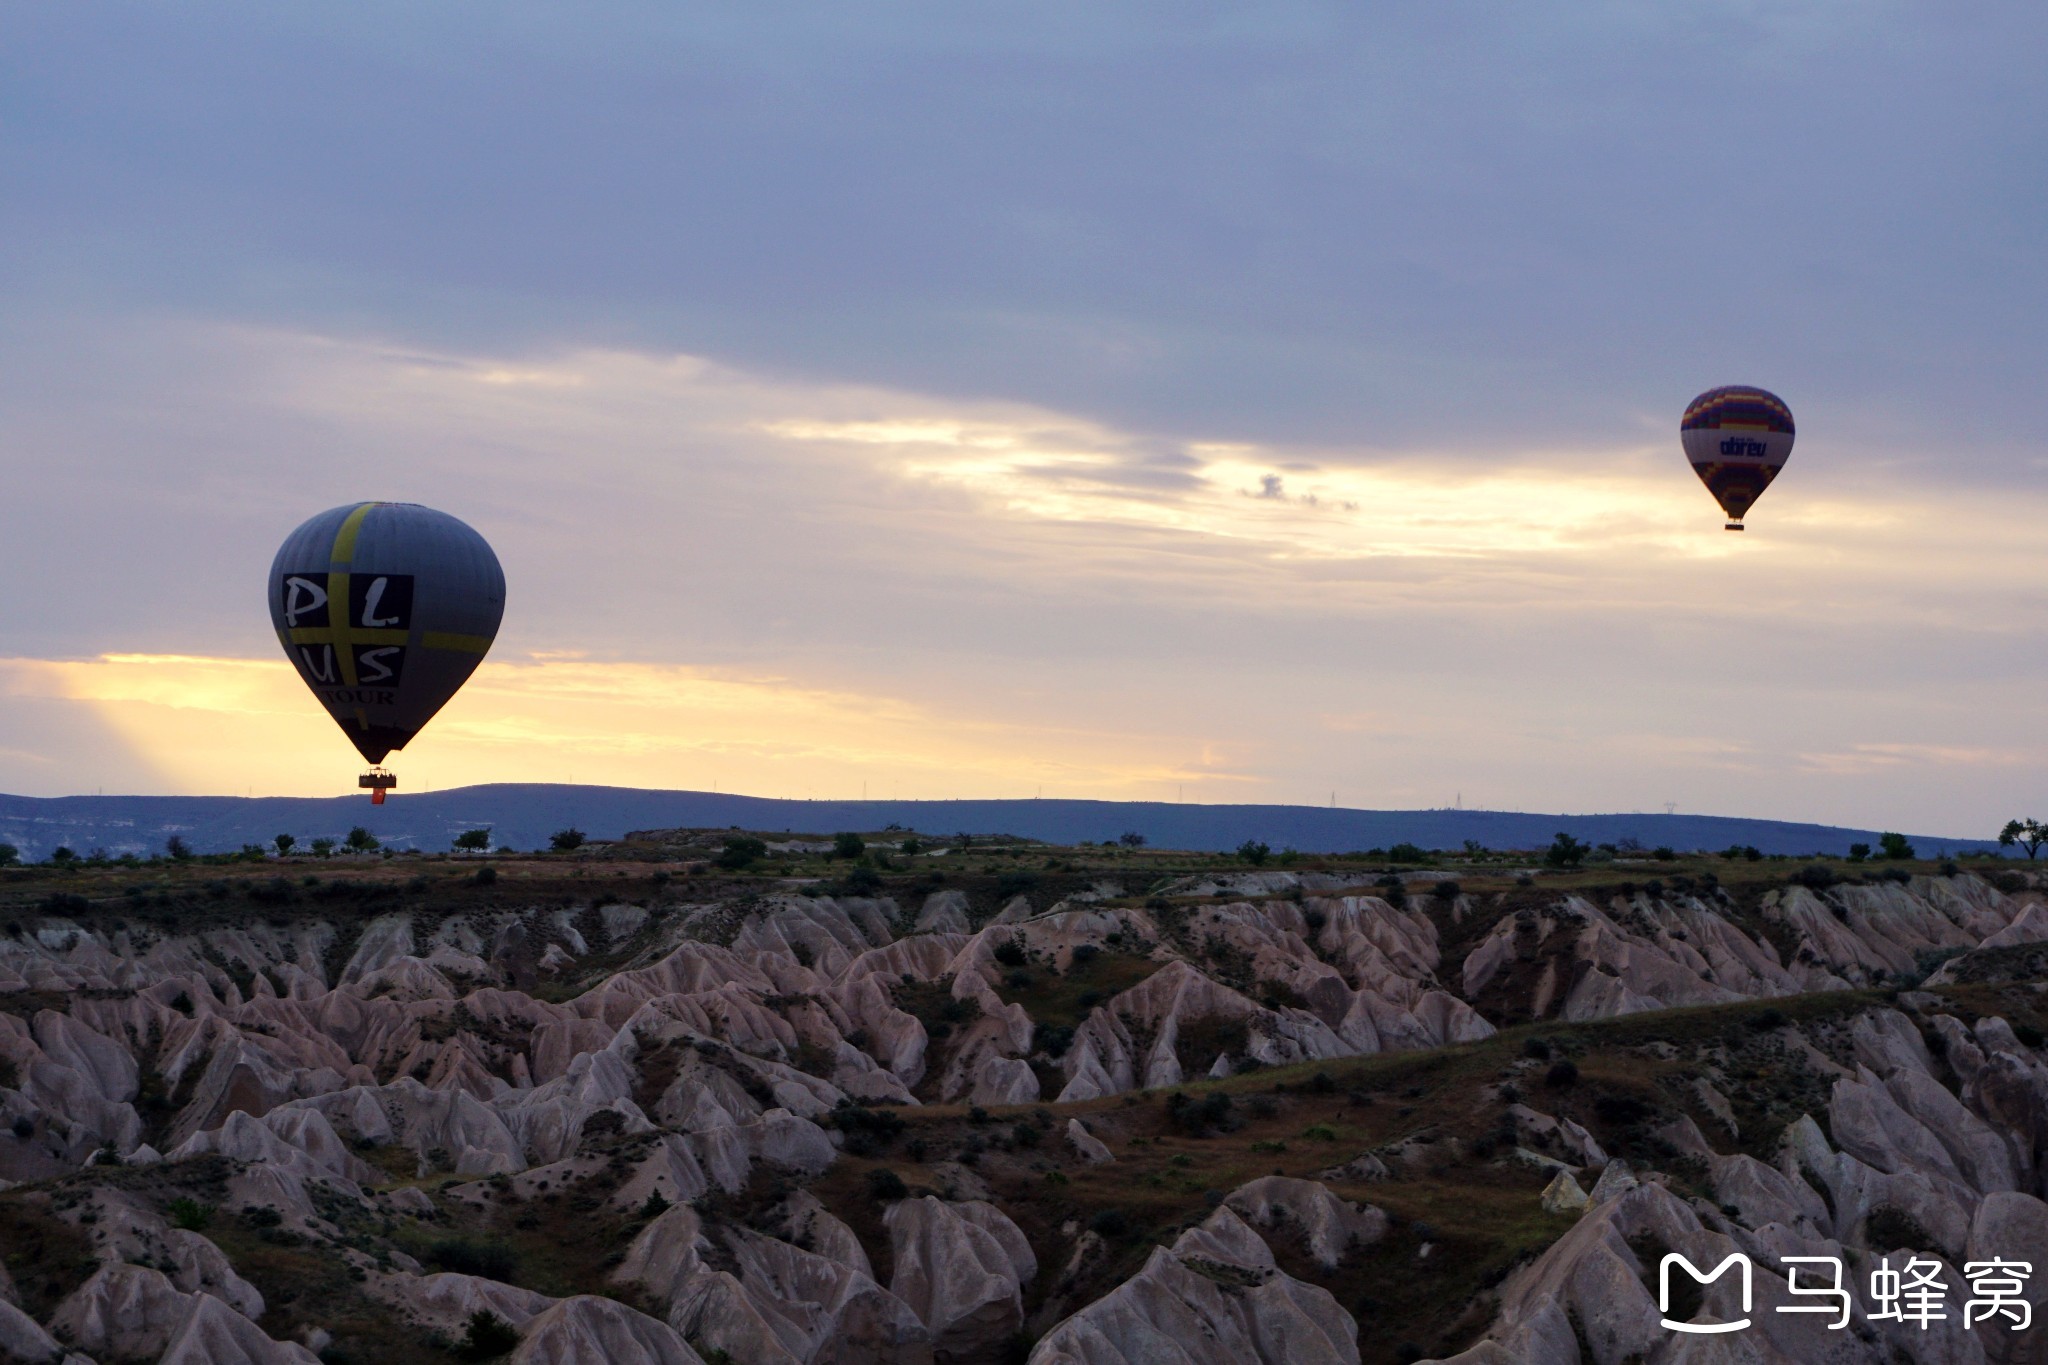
(1737, 438)
(385, 608)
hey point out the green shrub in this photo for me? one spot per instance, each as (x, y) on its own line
(1202, 1117)
(858, 881)
(741, 852)
(1014, 883)
(1889, 1228)
(469, 1256)
(190, 1214)
(488, 1337)
(867, 1131)
(1565, 851)
(1110, 1223)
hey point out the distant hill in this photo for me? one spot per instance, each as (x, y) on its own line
(524, 814)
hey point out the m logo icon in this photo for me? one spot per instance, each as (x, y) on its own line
(1664, 1291)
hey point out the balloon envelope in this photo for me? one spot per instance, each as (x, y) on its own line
(1737, 439)
(385, 608)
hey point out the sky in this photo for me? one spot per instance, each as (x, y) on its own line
(1158, 401)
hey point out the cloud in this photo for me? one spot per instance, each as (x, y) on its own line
(1394, 226)
(1568, 627)
(1865, 759)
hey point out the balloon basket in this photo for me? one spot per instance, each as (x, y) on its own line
(1733, 526)
(377, 782)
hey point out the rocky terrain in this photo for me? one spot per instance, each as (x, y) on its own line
(1056, 1105)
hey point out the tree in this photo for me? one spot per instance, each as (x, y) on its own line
(1895, 846)
(1130, 838)
(361, 840)
(741, 851)
(1859, 852)
(848, 845)
(489, 1336)
(323, 848)
(9, 855)
(1254, 852)
(62, 855)
(1474, 849)
(285, 844)
(176, 849)
(2028, 834)
(566, 840)
(474, 840)
(1565, 851)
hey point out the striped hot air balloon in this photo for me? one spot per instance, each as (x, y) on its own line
(385, 608)
(1737, 439)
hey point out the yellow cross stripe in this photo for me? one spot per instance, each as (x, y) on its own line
(345, 538)
(461, 644)
(341, 635)
(323, 635)
(338, 631)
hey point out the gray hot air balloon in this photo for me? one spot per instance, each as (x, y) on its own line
(385, 608)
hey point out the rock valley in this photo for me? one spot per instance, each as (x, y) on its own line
(1064, 1106)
